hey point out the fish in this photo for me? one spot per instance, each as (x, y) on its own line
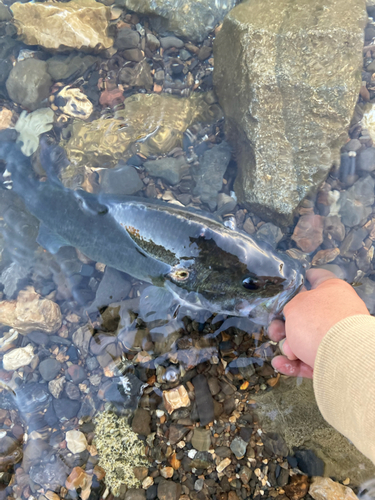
(185, 255)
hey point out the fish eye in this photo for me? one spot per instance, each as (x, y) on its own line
(180, 275)
(251, 284)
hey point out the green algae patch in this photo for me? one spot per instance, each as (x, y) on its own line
(120, 450)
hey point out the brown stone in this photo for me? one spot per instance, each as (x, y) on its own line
(308, 233)
(323, 488)
(78, 478)
(325, 256)
(176, 398)
(297, 488)
(30, 312)
(78, 24)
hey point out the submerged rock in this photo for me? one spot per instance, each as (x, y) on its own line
(287, 76)
(62, 67)
(29, 83)
(323, 488)
(154, 125)
(30, 312)
(191, 19)
(170, 169)
(31, 126)
(79, 24)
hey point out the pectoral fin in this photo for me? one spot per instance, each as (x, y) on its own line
(50, 240)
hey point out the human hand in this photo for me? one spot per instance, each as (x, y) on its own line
(308, 317)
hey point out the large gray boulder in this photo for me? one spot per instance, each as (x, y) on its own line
(287, 74)
(190, 19)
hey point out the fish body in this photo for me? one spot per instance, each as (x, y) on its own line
(193, 256)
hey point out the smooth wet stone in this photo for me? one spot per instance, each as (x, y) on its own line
(208, 175)
(170, 169)
(353, 242)
(238, 447)
(308, 233)
(225, 203)
(127, 39)
(49, 368)
(65, 409)
(50, 475)
(56, 387)
(141, 422)
(78, 24)
(30, 312)
(273, 62)
(201, 439)
(366, 159)
(155, 125)
(16, 358)
(334, 227)
(323, 488)
(192, 19)
(356, 202)
(39, 338)
(269, 233)
(74, 65)
(167, 42)
(75, 441)
(203, 400)
(245, 474)
(169, 490)
(139, 76)
(28, 83)
(274, 444)
(76, 374)
(72, 391)
(309, 463)
(135, 494)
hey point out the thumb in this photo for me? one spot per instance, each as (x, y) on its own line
(318, 276)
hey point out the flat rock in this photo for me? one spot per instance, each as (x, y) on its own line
(141, 422)
(49, 368)
(127, 39)
(191, 19)
(273, 62)
(65, 409)
(63, 67)
(28, 83)
(75, 441)
(170, 169)
(16, 358)
(201, 439)
(323, 488)
(356, 202)
(30, 312)
(309, 463)
(308, 233)
(78, 24)
(208, 175)
(168, 490)
(269, 233)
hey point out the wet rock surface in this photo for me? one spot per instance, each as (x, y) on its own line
(281, 96)
(79, 24)
(192, 19)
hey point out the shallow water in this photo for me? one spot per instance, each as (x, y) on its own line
(93, 381)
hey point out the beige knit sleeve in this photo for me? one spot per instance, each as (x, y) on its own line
(344, 380)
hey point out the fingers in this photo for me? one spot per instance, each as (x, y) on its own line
(317, 276)
(276, 330)
(286, 350)
(294, 368)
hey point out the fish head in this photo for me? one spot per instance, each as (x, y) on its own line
(232, 273)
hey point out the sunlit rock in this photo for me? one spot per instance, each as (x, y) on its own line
(79, 24)
(149, 124)
(176, 398)
(73, 102)
(16, 358)
(287, 75)
(30, 312)
(191, 19)
(323, 488)
(31, 126)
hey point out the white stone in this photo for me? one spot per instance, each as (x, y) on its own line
(21, 356)
(75, 441)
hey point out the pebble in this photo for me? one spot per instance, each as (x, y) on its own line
(72, 391)
(248, 226)
(49, 368)
(76, 374)
(127, 39)
(323, 488)
(238, 447)
(135, 494)
(75, 441)
(176, 398)
(297, 488)
(167, 472)
(56, 387)
(353, 242)
(201, 439)
(141, 423)
(203, 399)
(308, 233)
(356, 202)
(325, 256)
(168, 42)
(223, 465)
(29, 83)
(275, 444)
(366, 159)
(334, 227)
(245, 474)
(170, 169)
(22, 356)
(204, 53)
(152, 42)
(168, 490)
(309, 463)
(66, 409)
(269, 233)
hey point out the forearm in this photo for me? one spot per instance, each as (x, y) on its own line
(344, 380)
